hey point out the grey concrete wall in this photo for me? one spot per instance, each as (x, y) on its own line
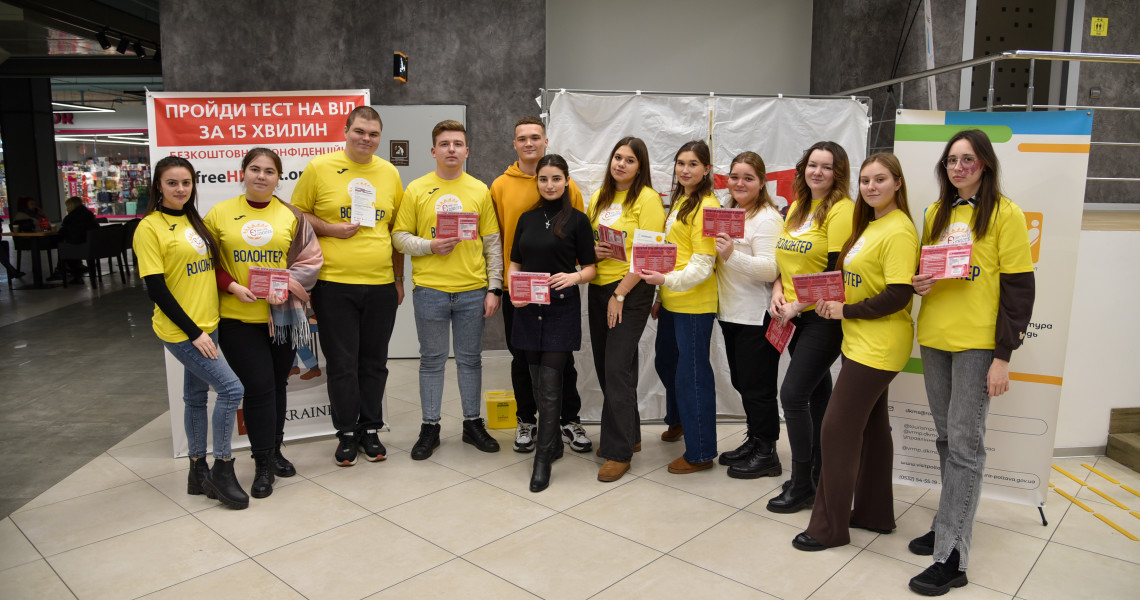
(1119, 86)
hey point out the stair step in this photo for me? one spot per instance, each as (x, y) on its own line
(1124, 448)
(1124, 420)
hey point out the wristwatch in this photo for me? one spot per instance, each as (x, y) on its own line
(619, 297)
(496, 291)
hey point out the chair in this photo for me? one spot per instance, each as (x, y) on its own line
(128, 243)
(21, 244)
(102, 242)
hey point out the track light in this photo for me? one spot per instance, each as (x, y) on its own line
(122, 47)
(103, 40)
(139, 50)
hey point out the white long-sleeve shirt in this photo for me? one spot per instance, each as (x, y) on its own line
(744, 281)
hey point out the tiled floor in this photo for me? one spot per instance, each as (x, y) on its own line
(464, 525)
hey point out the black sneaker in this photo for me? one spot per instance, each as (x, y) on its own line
(373, 449)
(938, 578)
(475, 433)
(428, 442)
(922, 546)
(346, 450)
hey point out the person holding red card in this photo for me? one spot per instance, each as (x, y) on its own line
(551, 238)
(967, 330)
(260, 335)
(685, 308)
(878, 261)
(817, 226)
(745, 270)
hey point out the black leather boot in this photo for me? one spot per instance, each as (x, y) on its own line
(548, 448)
(797, 496)
(740, 454)
(281, 465)
(262, 474)
(198, 472)
(762, 462)
(221, 484)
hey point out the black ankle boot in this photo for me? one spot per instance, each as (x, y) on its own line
(221, 484)
(740, 454)
(797, 496)
(262, 474)
(762, 462)
(540, 476)
(198, 472)
(281, 465)
(475, 433)
(427, 442)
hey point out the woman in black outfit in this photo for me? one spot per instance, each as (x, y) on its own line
(551, 238)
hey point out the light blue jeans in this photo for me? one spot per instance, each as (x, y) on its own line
(200, 374)
(959, 403)
(463, 312)
(682, 363)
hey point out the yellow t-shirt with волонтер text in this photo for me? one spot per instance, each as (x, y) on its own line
(646, 213)
(804, 250)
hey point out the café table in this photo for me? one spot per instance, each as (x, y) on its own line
(39, 241)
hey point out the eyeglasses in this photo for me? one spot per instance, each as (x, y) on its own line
(966, 162)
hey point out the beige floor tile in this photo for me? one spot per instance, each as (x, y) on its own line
(158, 429)
(545, 569)
(758, 552)
(668, 577)
(466, 459)
(653, 514)
(573, 480)
(911, 524)
(251, 578)
(909, 493)
(312, 457)
(291, 513)
(144, 561)
(173, 486)
(375, 492)
(309, 565)
(396, 406)
(149, 459)
(72, 523)
(715, 484)
(405, 428)
(1083, 530)
(1072, 466)
(466, 516)
(101, 473)
(1063, 573)
(799, 520)
(1021, 518)
(1115, 470)
(441, 581)
(871, 576)
(15, 549)
(33, 581)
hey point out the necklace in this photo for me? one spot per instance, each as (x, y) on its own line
(548, 218)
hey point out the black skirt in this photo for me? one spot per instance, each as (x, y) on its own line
(555, 327)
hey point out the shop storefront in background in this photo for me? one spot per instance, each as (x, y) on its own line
(104, 159)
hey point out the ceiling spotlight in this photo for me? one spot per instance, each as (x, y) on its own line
(102, 39)
(139, 50)
(122, 47)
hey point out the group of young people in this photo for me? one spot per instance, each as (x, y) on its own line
(533, 220)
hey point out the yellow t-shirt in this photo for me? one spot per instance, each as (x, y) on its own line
(250, 237)
(805, 250)
(464, 269)
(886, 253)
(514, 193)
(961, 314)
(690, 240)
(646, 213)
(169, 245)
(324, 190)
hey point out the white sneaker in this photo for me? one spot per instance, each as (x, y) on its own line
(573, 434)
(524, 436)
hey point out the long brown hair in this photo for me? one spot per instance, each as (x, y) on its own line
(642, 180)
(840, 186)
(988, 194)
(191, 206)
(565, 208)
(764, 199)
(704, 186)
(865, 213)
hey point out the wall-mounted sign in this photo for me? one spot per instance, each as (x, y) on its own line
(398, 153)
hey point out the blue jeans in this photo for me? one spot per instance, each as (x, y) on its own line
(683, 365)
(305, 356)
(463, 312)
(200, 374)
(959, 403)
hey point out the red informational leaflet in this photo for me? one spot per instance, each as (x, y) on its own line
(530, 287)
(264, 280)
(819, 286)
(654, 257)
(779, 335)
(724, 220)
(45, 224)
(616, 240)
(463, 225)
(945, 261)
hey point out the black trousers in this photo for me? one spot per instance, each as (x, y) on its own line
(807, 384)
(356, 325)
(525, 408)
(616, 361)
(263, 366)
(753, 366)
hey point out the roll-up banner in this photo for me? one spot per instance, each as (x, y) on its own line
(214, 130)
(1044, 161)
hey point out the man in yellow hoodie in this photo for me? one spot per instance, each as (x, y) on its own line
(515, 192)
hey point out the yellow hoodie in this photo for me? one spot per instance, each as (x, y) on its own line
(514, 193)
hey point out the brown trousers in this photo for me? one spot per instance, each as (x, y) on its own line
(857, 457)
